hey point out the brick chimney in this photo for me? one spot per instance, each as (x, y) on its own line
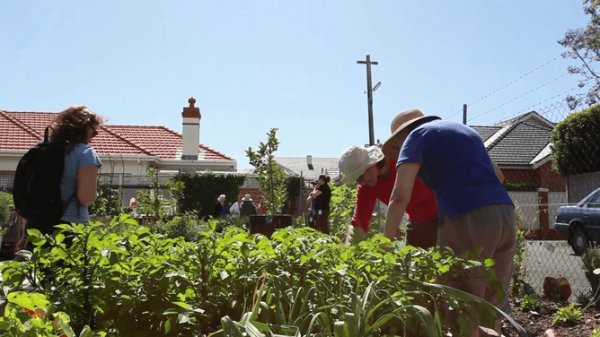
(191, 131)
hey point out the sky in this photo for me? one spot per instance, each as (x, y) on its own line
(291, 65)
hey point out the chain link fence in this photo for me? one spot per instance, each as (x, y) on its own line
(539, 184)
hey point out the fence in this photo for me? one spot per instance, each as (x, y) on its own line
(522, 148)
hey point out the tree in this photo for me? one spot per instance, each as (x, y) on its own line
(583, 44)
(271, 177)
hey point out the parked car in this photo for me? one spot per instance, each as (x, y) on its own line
(580, 223)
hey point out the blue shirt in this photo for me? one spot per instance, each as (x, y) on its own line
(455, 164)
(81, 155)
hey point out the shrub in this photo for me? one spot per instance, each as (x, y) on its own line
(575, 142)
(567, 315)
(6, 205)
(186, 226)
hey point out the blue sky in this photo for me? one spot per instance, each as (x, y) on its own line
(254, 65)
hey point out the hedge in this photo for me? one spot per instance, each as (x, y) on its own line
(576, 143)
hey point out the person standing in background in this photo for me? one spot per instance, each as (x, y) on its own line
(322, 198)
(221, 208)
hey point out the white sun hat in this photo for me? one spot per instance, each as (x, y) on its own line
(356, 159)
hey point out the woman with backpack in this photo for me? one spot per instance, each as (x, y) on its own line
(76, 127)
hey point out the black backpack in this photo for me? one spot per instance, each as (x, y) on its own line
(36, 189)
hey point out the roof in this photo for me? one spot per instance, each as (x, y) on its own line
(321, 165)
(22, 130)
(520, 141)
(486, 131)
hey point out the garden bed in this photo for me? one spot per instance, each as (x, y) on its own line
(537, 322)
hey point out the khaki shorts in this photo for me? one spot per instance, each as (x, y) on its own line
(491, 231)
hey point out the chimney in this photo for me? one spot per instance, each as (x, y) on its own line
(191, 131)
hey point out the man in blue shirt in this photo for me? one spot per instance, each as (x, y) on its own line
(476, 214)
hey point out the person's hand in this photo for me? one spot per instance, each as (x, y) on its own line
(354, 235)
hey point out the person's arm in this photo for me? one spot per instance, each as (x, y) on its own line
(363, 211)
(86, 185)
(314, 195)
(405, 180)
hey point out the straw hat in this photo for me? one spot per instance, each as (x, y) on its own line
(355, 160)
(400, 129)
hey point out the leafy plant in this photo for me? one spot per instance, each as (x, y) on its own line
(108, 202)
(122, 279)
(6, 205)
(271, 177)
(27, 314)
(591, 259)
(518, 283)
(529, 303)
(186, 226)
(343, 200)
(595, 332)
(574, 142)
(567, 315)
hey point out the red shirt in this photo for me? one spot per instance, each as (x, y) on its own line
(421, 207)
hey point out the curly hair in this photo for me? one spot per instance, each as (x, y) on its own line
(71, 125)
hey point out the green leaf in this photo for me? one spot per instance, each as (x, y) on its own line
(183, 305)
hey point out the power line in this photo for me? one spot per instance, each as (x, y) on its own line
(514, 81)
(510, 83)
(517, 97)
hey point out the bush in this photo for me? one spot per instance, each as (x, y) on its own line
(186, 226)
(576, 142)
(6, 205)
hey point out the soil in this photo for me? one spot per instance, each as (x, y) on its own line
(536, 323)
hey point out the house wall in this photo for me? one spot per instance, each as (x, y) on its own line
(543, 177)
(550, 179)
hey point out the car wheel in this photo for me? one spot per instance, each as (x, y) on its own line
(579, 241)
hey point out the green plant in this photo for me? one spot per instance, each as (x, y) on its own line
(186, 226)
(529, 303)
(343, 200)
(108, 202)
(567, 315)
(271, 177)
(6, 205)
(125, 280)
(518, 283)
(591, 259)
(595, 332)
(575, 142)
(519, 186)
(27, 314)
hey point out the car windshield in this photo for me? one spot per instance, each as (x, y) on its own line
(592, 200)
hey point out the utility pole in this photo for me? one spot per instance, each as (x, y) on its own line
(464, 114)
(368, 62)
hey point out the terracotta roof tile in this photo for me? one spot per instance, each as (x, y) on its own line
(22, 130)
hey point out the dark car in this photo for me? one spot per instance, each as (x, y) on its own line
(580, 223)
